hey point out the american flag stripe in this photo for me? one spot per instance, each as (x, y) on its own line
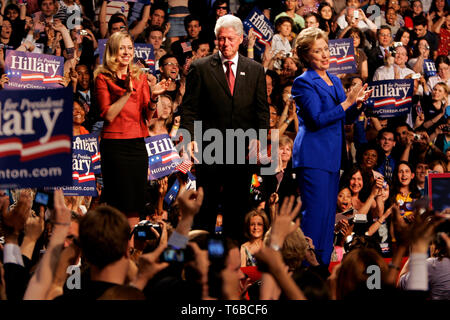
(83, 177)
(342, 60)
(185, 166)
(384, 102)
(35, 149)
(41, 77)
(96, 157)
(403, 101)
(170, 157)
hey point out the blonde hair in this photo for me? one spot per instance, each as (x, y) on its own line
(294, 248)
(110, 65)
(305, 41)
(285, 140)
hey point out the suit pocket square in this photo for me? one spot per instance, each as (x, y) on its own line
(242, 73)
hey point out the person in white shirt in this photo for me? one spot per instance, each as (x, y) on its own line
(280, 41)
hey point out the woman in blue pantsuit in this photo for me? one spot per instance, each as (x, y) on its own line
(322, 109)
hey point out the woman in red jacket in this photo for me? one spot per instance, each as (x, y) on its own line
(125, 102)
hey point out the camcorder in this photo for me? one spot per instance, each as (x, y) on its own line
(142, 231)
(393, 48)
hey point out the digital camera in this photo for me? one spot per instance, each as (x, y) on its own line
(142, 231)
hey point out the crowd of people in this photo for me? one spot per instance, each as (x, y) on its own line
(349, 190)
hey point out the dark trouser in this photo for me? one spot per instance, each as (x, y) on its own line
(318, 191)
(228, 186)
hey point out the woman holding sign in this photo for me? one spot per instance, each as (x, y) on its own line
(322, 107)
(125, 103)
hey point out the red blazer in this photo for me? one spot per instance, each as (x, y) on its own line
(130, 122)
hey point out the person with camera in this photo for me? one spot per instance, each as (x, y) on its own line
(125, 101)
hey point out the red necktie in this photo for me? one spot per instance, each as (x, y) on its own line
(230, 76)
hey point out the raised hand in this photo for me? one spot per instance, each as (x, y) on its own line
(282, 224)
(190, 202)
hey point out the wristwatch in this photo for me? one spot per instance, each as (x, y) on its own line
(275, 247)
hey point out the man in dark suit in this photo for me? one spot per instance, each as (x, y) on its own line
(376, 55)
(224, 91)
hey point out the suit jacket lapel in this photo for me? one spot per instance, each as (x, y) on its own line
(321, 83)
(217, 72)
(239, 85)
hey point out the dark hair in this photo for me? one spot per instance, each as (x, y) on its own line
(367, 181)
(188, 19)
(150, 29)
(420, 20)
(368, 146)
(400, 33)
(441, 59)
(360, 34)
(383, 130)
(115, 18)
(415, 193)
(163, 59)
(322, 22)
(40, 2)
(402, 124)
(219, 2)
(104, 234)
(433, 7)
(282, 20)
(12, 6)
(312, 14)
(197, 42)
(385, 27)
(159, 6)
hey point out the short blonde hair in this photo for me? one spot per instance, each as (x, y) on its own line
(293, 249)
(285, 140)
(110, 65)
(305, 41)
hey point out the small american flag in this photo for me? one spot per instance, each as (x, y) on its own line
(185, 166)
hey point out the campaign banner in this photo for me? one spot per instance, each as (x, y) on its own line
(262, 27)
(342, 56)
(27, 70)
(143, 52)
(84, 159)
(36, 138)
(390, 98)
(429, 68)
(163, 157)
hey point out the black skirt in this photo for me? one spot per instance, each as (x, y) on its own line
(124, 170)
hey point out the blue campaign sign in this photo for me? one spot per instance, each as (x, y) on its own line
(262, 27)
(143, 52)
(36, 138)
(342, 56)
(429, 68)
(172, 193)
(163, 157)
(27, 70)
(85, 164)
(390, 98)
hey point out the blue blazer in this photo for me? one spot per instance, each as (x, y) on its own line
(320, 136)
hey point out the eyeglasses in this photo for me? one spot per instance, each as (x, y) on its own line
(171, 64)
(222, 8)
